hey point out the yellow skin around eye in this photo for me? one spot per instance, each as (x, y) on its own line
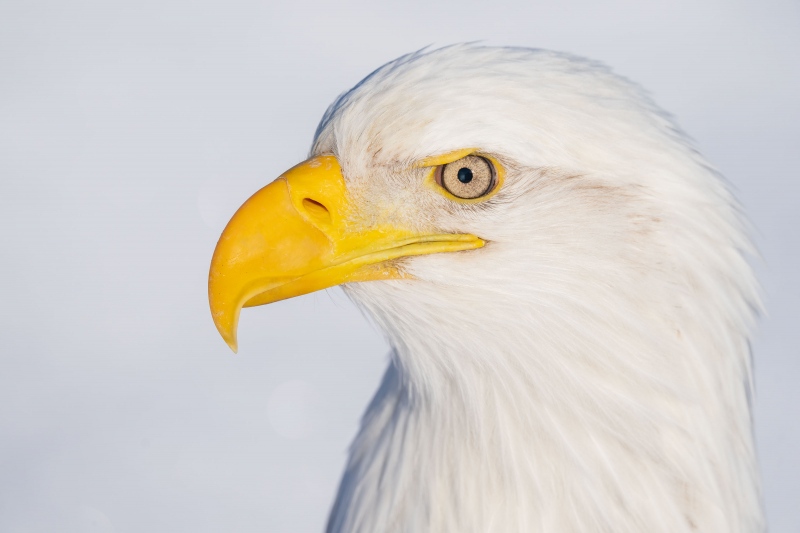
(437, 161)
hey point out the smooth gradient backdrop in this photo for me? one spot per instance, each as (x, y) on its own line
(130, 131)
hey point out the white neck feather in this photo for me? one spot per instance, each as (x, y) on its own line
(543, 413)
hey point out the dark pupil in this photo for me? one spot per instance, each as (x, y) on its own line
(464, 175)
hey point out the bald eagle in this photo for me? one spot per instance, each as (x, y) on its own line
(564, 283)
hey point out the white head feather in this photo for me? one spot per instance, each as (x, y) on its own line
(588, 369)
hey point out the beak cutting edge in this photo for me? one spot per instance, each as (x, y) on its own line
(296, 236)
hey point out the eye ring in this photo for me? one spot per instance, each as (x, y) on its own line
(470, 178)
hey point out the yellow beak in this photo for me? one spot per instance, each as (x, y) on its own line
(297, 235)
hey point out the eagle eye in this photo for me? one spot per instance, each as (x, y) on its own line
(468, 178)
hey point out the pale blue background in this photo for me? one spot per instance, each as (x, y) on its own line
(131, 131)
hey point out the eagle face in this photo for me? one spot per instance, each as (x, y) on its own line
(563, 282)
(599, 203)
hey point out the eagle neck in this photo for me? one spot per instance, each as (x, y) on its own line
(530, 425)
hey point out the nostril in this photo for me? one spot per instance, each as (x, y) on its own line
(316, 210)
